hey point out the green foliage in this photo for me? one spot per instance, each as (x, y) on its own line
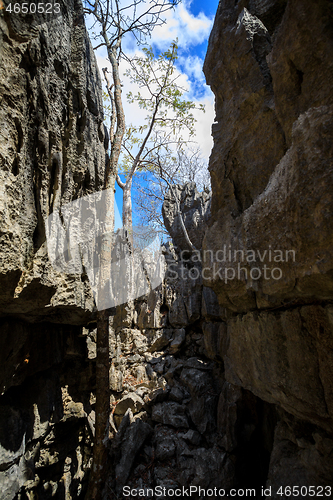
(157, 76)
(167, 112)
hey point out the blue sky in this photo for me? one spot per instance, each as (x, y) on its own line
(209, 8)
(191, 22)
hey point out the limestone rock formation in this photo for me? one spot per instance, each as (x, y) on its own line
(285, 202)
(164, 397)
(51, 152)
(220, 380)
(46, 382)
(195, 211)
(268, 248)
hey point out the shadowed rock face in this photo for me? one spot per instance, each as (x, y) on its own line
(46, 380)
(271, 167)
(51, 152)
(269, 64)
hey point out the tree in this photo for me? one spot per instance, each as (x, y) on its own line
(167, 115)
(114, 22)
(186, 165)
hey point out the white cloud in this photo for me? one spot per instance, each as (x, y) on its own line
(182, 24)
(179, 23)
(191, 31)
(192, 66)
(135, 115)
(203, 127)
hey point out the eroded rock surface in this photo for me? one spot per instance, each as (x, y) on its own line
(195, 208)
(52, 151)
(268, 248)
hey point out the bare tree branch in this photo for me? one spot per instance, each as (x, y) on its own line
(120, 183)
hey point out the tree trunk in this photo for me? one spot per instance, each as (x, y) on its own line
(102, 410)
(127, 205)
(98, 471)
(100, 453)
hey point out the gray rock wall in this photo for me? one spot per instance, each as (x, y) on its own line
(269, 65)
(195, 209)
(175, 422)
(45, 437)
(272, 370)
(52, 151)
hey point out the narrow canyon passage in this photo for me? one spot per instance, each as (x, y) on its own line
(221, 376)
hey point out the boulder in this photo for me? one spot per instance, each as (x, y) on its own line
(170, 413)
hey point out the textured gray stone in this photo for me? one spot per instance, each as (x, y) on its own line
(132, 401)
(52, 151)
(202, 406)
(307, 462)
(177, 340)
(214, 337)
(267, 100)
(286, 359)
(268, 200)
(170, 413)
(134, 438)
(195, 209)
(269, 66)
(211, 309)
